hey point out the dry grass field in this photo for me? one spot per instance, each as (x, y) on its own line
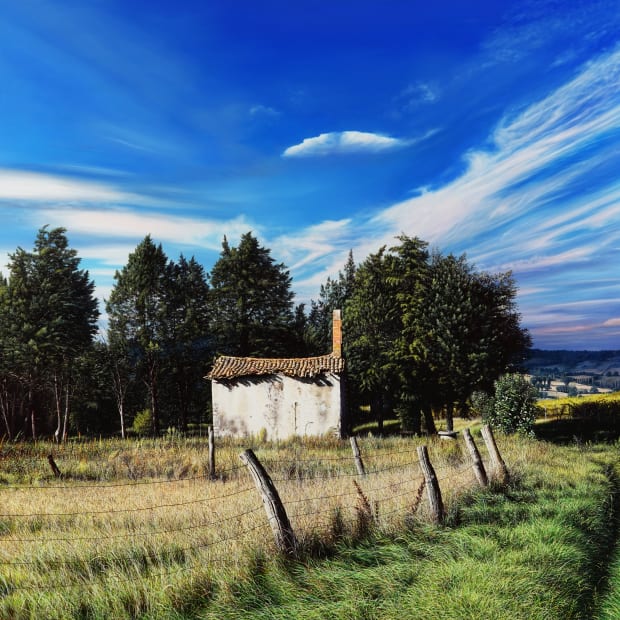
(139, 525)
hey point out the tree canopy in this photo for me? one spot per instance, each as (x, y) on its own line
(422, 332)
(48, 318)
(252, 301)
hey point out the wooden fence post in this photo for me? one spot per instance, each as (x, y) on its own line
(280, 525)
(359, 464)
(477, 464)
(432, 486)
(211, 452)
(499, 467)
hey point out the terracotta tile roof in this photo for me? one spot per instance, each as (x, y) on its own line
(307, 367)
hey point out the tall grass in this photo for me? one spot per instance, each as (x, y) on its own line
(537, 550)
(138, 528)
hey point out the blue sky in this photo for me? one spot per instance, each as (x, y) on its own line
(490, 128)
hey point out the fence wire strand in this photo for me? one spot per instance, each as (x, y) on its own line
(388, 500)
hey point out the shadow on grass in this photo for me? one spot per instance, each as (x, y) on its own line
(565, 431)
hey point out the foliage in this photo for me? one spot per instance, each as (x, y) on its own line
(159, 336)
(482, 404)
(137, 316)
(188, 343)
(252, 301)
(372, 324)
(462, 330)
(48, 317)
(142, 422)
(514, 405)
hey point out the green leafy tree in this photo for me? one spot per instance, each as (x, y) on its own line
(137, 317)
(514, 405)
(463, 331)
(252, 301)
(48, 318)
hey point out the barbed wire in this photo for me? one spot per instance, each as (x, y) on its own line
(85, 582)
(407, 486)
(114, 485)
(151, 533)
(125, 510)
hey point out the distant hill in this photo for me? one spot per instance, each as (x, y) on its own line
(576, 371)
(598, 362)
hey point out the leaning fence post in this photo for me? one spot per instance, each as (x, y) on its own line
(432, 485)
(359, 464)
(477, 464)
(280, 525)
(499, 467)
(211, 452)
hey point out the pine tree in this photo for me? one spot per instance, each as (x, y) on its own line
(48, 318)
(252, 301)
(137, 316)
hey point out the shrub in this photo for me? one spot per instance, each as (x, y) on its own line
(514, 409)
(142, 422)
(482, 404)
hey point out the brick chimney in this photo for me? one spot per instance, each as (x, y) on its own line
(336, 334)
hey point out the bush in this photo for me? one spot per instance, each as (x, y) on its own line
(142, 423)
(514, 409)
(482, 404)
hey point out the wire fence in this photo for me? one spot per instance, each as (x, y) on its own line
(73, 534)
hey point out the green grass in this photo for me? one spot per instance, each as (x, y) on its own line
(537, 551)
(540, 548)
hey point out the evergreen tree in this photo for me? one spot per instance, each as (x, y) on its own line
(462, 332)
(137, 317)
(252, 301)
(48, 318)
(188, 342)
(372, 324)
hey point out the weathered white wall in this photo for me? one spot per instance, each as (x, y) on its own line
(279, 406)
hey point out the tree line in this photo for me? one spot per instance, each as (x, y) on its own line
(422, 331)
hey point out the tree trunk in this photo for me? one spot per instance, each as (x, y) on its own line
(429, 421)
(450, 416)
(376, 411)
(154, 401)
(121, 413)
(65, 423)
(57, 400)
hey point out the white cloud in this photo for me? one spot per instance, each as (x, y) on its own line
(312, 244)
(418, 93)
(342, 142)
(533, 164)
(35, 186)
(612, 323)
(113, 224)
(263, 110)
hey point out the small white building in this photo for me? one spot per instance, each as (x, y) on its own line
(280, 398)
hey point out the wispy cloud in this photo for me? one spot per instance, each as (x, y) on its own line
(314, 244)
(263, 110)
(35, 186)
(534, 163)
(418, 93)
(344, 142)
(118, 223)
